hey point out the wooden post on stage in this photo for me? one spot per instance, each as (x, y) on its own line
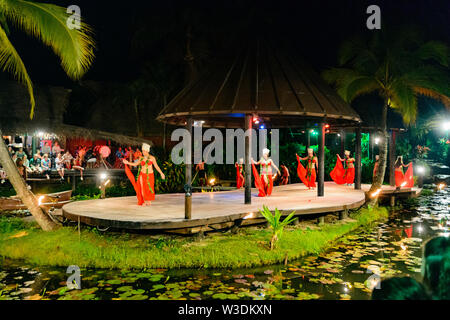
(392, 158)
(247, 159)
(188, 174)
(321, 169)
(358, 159)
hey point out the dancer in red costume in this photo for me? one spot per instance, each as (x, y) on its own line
(406, 179)
(285, 175)
(265, 183)
(144, 183)
(344, 174)
(308, 174)
(240, 181)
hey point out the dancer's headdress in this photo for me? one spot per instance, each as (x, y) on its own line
(346, 152)
(145, 147)
(265, 151)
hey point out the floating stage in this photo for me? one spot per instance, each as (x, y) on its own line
(211, 210)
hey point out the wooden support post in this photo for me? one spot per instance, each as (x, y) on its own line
(392, 158)
(343, 214)
(247, 159)
(188, 174)
(392, 201)
(358, 159)
(321, 169)
(321, 220)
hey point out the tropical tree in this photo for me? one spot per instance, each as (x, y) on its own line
(74, 46)
(398, 66)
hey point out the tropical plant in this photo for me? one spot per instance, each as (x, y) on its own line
(399, 66)
(275, 223)
(74, 46)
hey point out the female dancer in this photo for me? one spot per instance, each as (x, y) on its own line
(403, 180)
(265, 184)
(346, 174)
(240, 181)
(144, 183)
(308, 175)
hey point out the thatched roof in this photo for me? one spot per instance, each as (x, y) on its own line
(51, 103)
(260, 79)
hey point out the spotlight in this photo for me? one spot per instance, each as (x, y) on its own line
(103, 176)
(377, 140)
(446, 125)
(376, 193)
(262, 126)
(420, 170)
(248, 216)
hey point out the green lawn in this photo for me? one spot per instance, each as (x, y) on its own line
(248, 248)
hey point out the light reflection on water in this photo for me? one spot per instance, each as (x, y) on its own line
(343, 272)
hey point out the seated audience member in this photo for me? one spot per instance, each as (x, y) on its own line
(35, 164)
(400, 288)
(46, 166)
(21, 168)
(26, 163)
(20, 154)
(2, 175)
(67, 159)
(59, 164)
(436, 268)
(11, 150)
(38, 153)
(14, 157)
(56, 149)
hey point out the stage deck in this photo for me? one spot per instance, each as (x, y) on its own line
(210, 208)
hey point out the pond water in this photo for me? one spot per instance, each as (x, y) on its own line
(346, 271)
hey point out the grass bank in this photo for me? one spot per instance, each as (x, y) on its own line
(248, 248)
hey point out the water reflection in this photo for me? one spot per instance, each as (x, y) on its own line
(347, 270)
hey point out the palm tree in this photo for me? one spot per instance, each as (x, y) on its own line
(398, 66)
(49, 24)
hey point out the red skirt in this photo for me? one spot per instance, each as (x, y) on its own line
(267, 186)
(240, 181)
(399, 177)
(349, 175)
(144, 186)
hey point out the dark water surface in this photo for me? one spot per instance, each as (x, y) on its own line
(345, 271)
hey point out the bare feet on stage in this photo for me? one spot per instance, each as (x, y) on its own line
(145, 204)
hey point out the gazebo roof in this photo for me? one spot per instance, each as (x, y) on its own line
(260, 79)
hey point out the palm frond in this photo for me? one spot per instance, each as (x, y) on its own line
(434, 50)
(361, 86)
(48, 23)
(434, 95)
(11, 62)
(403, 100)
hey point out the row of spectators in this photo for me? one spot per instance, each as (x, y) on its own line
(47, 159)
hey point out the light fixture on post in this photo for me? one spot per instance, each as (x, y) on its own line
(103, 184)
(421, 172)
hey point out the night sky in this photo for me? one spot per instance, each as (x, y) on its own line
(133, 34)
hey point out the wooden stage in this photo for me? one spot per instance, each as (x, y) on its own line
(212, 210)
